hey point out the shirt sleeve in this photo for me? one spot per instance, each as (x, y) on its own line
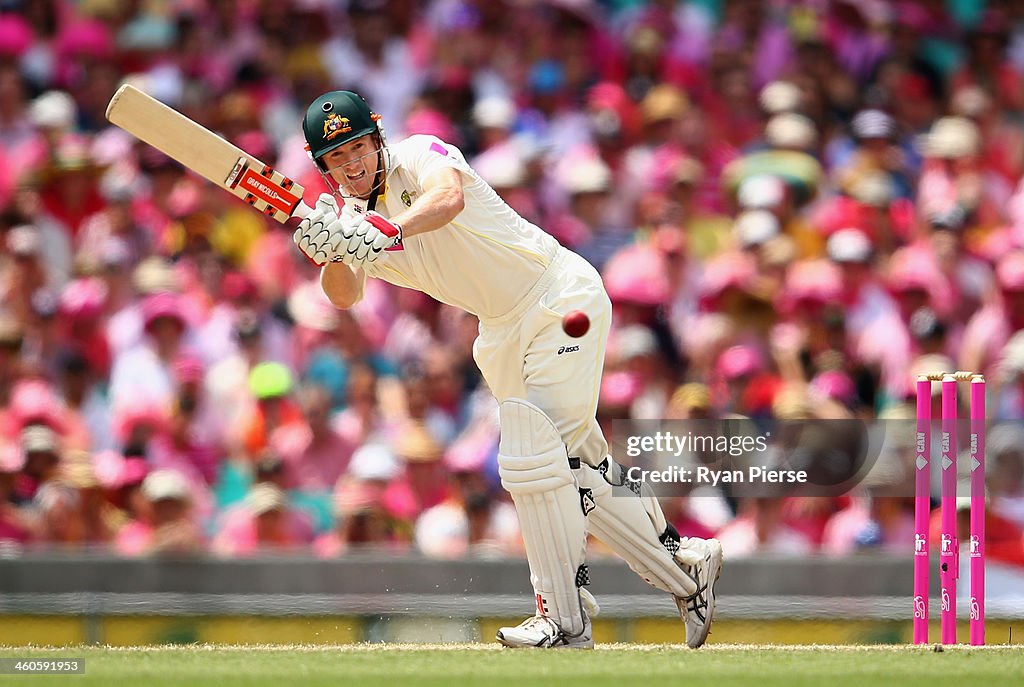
(425, 155)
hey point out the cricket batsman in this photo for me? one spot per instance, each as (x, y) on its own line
(416, 215)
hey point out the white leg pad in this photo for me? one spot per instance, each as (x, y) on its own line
(534, 468)
(629, 520)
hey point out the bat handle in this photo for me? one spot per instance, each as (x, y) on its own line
(302, 211)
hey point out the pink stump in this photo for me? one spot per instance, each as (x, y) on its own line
(977, 555)
(922, 509)
(948, 553)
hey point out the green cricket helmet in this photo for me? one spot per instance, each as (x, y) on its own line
(335, 118)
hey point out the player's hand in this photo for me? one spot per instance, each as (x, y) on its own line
(366, 237)
(316, 235)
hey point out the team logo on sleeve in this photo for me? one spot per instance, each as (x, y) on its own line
(336, 124)
(406, 199)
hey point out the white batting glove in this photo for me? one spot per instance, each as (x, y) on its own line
(316, 235)
(366, 238)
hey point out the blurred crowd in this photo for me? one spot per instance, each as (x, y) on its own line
(796, 205)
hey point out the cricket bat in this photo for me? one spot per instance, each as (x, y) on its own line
(207, 154)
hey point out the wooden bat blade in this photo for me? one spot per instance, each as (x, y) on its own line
(205, 153)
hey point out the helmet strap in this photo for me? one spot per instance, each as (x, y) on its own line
(380, 179)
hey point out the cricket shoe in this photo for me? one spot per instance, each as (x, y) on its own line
(542, 632)
(698, 610)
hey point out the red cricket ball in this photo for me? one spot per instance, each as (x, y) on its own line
(576, 323)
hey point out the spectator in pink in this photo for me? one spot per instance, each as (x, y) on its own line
(57, 516)
(915, 281)
(263, 522)
(951, 177)
(167, 524)
(144, 373)
(24, 273)
(193, 442)
(987, 65)
(878, 518)
(82, 305)
(121, 480)
(315, 455)
(587, 222)
(364, 516)
(96, 515)
(41, 447)
(361, 420)
(990, 328)
(635, 349)
(743, 375)
(126, 327)
(419, 407)
(424, 480)
(1002, 142)
(759, 528)
(14, 525)
(35, 401)
(473, 520)
(119, 186)
(226, 383)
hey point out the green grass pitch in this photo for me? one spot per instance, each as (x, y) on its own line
(615, 665)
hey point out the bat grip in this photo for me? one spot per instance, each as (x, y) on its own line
(302, 211)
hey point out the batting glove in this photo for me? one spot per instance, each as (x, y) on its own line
(317, 236)
(365, 238)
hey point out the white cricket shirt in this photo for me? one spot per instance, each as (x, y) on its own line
(485, 261)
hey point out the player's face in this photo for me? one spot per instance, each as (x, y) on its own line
(353, 166)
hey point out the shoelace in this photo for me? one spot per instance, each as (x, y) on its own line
(697, 602)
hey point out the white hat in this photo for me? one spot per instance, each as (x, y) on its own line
(23, 240)
(634, 341)
(791, 130)
(587, 175)
(780, 96)
(494, 112)
(120, 183)
(265, 497)
(501, 166)
(875, 189)
(849, 245)
(374, 462)
(761, 191)
(39, 439)
(155, 275)
(165, 484)
(53, 109)
(971, 101)
(755, 227)
(950, 137)
(309, 306)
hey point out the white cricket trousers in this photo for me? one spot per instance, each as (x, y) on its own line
(526, 354)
